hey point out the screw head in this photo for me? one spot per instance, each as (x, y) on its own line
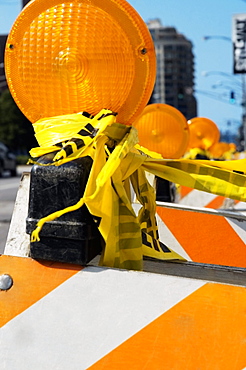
(6, 282)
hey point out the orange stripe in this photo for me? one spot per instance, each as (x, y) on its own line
(216, 203)
(32, 281)
(184, 190)
(207, 330)
(205, 238)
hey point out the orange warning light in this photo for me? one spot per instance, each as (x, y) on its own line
(219, 149)
(233, 147)
(64, 57)
(163, 129)
(203, 133)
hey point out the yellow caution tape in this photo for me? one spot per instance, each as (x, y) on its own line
(119, 161)
(194, 152)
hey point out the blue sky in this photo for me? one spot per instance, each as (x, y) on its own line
(195, 19)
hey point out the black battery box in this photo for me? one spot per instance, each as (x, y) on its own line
(73, 237)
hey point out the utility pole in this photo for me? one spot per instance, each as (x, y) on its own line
(239, 59)
(244, 108)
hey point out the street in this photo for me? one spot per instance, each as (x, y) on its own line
(8, 190)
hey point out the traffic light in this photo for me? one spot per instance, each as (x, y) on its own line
(232, 97)
(180, 93)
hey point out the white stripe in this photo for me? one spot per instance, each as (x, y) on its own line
(87, 317)
(167, 237)
(241, 207)
(239, 227)
(197, 198)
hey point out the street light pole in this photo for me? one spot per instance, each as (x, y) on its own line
(243, 103)
(205, 38)
(232, 77)
(244, 109)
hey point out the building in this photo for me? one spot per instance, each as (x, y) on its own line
(3, 82)
(175, 69)
(24, 2)
(3, 39)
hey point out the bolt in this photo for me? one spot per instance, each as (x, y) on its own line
(6, 282)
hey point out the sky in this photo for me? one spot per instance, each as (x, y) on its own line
(214, 79)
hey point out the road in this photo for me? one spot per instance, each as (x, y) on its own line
(8, 190)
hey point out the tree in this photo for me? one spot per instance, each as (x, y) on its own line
(16, 130)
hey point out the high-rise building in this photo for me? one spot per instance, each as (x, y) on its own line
(3, 82)
(24, 2)
(175, 69)
(3, 39)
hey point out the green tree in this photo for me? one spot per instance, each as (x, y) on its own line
(16, 130)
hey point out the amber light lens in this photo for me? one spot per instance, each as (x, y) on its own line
(82, 55)
(218, 149)
(203, 133)
(163, 129)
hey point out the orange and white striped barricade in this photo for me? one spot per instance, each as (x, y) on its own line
(196, 198)
(61, 316)
(198, 234)
(204, 235)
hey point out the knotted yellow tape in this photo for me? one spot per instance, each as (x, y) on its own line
(119, 161)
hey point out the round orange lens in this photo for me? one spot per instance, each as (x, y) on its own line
(218, 149)
(203, 133)
(233, 147)
(163, 129)
(65, 57)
